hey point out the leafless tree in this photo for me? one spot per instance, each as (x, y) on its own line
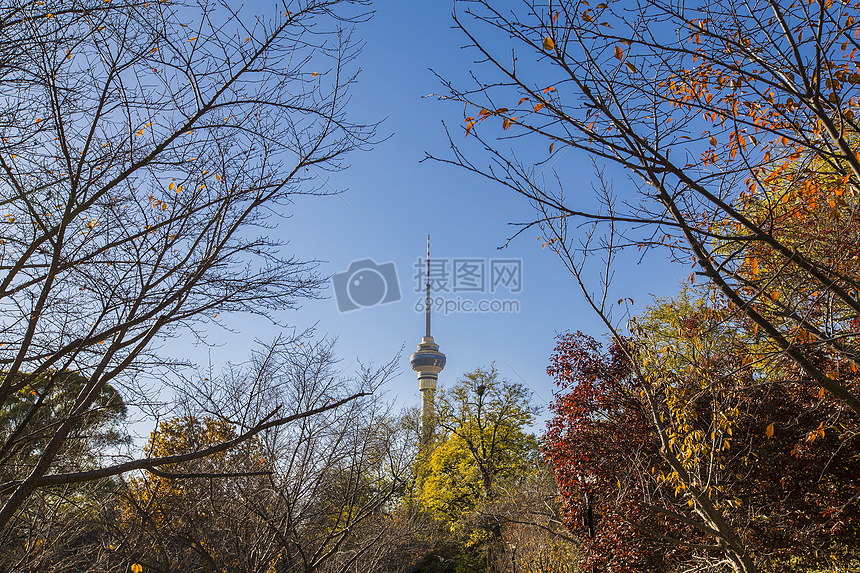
(148, 150)
(304, 496)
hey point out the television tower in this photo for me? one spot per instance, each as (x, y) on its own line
(427, 361)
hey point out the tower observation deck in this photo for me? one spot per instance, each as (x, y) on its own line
(427, 361)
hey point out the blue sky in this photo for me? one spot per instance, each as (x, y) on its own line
(391, 201)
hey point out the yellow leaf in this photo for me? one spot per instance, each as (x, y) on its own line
(712, 140)
(136, 568)
(171, 186)
(631, 68)
(548, 44)
(538, 106)
(618, 53)
(769, 431)
(315, 74)
(217, 177)
(192, 38)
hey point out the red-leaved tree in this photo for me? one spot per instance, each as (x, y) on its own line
(598, 443)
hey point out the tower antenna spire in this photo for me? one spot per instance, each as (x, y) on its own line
(427, 290)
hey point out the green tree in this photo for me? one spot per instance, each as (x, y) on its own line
(60, 526)
(483, 443)
(28, 417)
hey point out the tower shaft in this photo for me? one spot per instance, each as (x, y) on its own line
(427, 415)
